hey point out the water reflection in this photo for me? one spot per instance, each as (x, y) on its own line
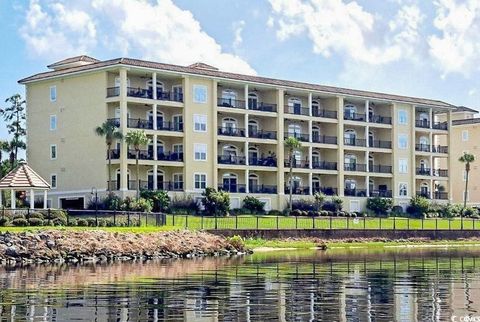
(401, 285)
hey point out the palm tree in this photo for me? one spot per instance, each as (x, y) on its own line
(291, 144)
(110, 131)
(136, 139)
(466, 158)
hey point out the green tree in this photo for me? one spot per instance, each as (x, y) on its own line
(110, 131)
(380, 206)
(14, 116)
(292, 145)
(137, 139)
(216, 202)
(466, 158)
(319, 200)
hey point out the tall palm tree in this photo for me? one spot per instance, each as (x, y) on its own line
(466, 158)
(111, 133)
(291, 144)
(136, 139)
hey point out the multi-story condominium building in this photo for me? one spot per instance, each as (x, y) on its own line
(209, 128)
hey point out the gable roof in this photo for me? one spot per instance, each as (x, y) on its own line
(81, 58)
(233, 76)
(475, 120)
(23, 177)
(465, 109)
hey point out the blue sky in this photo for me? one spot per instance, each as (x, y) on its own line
(412, 47)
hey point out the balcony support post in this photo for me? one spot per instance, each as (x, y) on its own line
(123, 127)
(450, 159)
(246, 125)
(430, 116)
(310, 128)
(246, 101)
(310, 113)
(310, 183)
(432, 189)
(310, 158)
(32, 199)
(155, 177)
(247, 188)
(245, 153)
(340, 152)
(367, 106)
(367, 185)
(154, 112)
(155, 148)
(280, 150)
(154, 89)
(45, 200)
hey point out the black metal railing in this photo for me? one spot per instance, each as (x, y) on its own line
(355, 167)
(261, 188)
(142, 154)
(441, 195)
(114, 121)
(261, 106)
(169, 96)
(355, 192)
(262, 134)
(439, 149)
(113, 91)
(324, 139)
(233, 187)
(423, 171)
(324, 113)
(168, 185)
(440, 126)
(422, 147)
(140, 124)
(378, 168)
(170, 126)
(297, 164)
(297, 110)
(380, 144)
(424, 194)
(440, 172)
(379, 119)
(231, 131)
(231, 159)
(422, 123)
(381, 193)
(354, 142)
(264, 162)
(131, 185)
(328, 191)
(139, 92)
(324, 165)
(229, 102)
(169, 156)
(300, 136)
(114, 154)
(297, 190)
(354, 116)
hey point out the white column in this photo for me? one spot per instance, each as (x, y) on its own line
(155, 178)
(245, 152)
(310, 136)
(310, 183)
(246, 125)
(431, 117)
(12, 199)
(310, 151)
(32, 199)
(123, 126)
(246, 96)
(155, 152)
(154, 86)
(310, 104)
(154, 112)
(247, 188)
(1, 201)
(45, 202)
(367, 185)
(367, 105)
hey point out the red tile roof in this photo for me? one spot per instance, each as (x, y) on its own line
(23, 177)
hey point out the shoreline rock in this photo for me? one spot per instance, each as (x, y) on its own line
(97, 246)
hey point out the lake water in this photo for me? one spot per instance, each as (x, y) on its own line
(335, 285)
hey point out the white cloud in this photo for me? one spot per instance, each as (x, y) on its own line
(238, 29)
(158, 31)
(457, 48)
(348, 29)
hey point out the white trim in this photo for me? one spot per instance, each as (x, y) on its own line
(400, 160)
(53, 90)
(53, 116)
(406, 187)
(56, 181)
(200, 116)
(206, 181)
(198, 145)
(56, 152)
(196, 87)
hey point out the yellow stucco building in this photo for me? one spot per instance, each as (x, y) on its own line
(209, 128)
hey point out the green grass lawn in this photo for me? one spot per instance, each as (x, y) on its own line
(140, 230)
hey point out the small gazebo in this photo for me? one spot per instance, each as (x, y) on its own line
(23, 178)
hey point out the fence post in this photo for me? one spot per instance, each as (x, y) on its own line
(277, 222)
(473, 219)
(313, 222)
(139, 219)
(186, 221)
(296, 222)
(449, 224)
(216, 222)
(423, 219)
(96, 214)
(49, 215)
(257, 222)
(68, 217)
(364, 223)
(128, 218)
(461, 222)
(436, 223)
(173, 219)
(330, 222)
(236, 221)
(380, 222)
(348, 222)
(114, 217)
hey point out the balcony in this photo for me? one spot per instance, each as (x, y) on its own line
(114, 154)
(228, 102)
(380, 119)
(170, 126)
(299, 190)
(423, 171)
(440, 173)
(324, 165)
(440, 126)
(131, 185)
(233, 187)
(231, 131)
(113, 91)
(261, 106)
(440, 195)
(377, 168)
(324, 139)
(261, 134)
(424, 194)
(439, 149)
(354, 117)
(422, 147)
(168, 185)
(142, 154)
(355, 167)
(299, 164)
(170, 156)
(263, 162)
(355, 142)
(297, 110)
(304, 137)
(355, 192)
(231, 159)
(380, 144)
(269, 189)
(422, 124)
(324, 113)
(169, 96)
(328, 191)
(381, 193)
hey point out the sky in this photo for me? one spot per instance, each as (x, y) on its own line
(419, 48)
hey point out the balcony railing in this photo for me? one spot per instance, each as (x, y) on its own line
(424, 194)
(131, 185)
(354, 116)
(423, 171)
(139, 124)
(422, 147)
(440, 195)
(381, 193)
(169, 96)
(299, 190)
(228, 102)
(324, 139)
(113, 91)
(440, 126)
(329, 191)
(263, 162)
(142, 154)
(261, 106)
(167, 185)
(297, 164)
(146, 93)
(380, 168)
(324, 113)
(170, 156)
(231, 131)
(114, 154)
(231, 159)
(297, 110)
(440, 172)
(439, 149)
(355, 192)
(139, 92)
(354, 142)
(270, 189)
(233, 187)
(380, 119)
(115, 121)
(422, 124)
(261, 134)
(324, 165)
(355, 167)
(170, 126)
(300, 136)
(380, 144)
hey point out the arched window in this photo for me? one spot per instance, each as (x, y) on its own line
(350, 136)
(297, 155)
(371, 139)
(253, 183)
(160, 180)
(316, 184)
(160, 88)
(253, 128)
(161, 124)
(230, 150)
(229, 123)
(315, 159)
(295, 105)
(424, 167)
(349, 111)
(230, 182)
(294, 130)
(424, 190)
(315, 134)
(350, 185)
(350, 162)
(297, 183)
(423, 116)
(117, 82)
(252, 101)
(229, 98)
(118, 176)
(315, 108)
(253, 157)
(423, 141)
(160, 150)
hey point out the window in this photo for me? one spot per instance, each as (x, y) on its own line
(200, 152)
(53, 122)
(53, 93)
(402, 117)
(200, 123)
(53, 151)
(199, 94)
(403, 165)
(178, 181)
(53, 181)
(200, 180)
(465, 135)
(402, 189)
(402, 141)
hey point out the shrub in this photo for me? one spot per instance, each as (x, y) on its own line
(91, 222)
(338, 203)
(296, 212)
(4, 221)
(102, 223)
(470, 212)
(303, 204)
(82, 223)
(237, 242)
(37, 215)
(274, 212)
(73, 222)
(216, 202)
(160, 199)
(112, 202)
(143, 205)
(254, 205)
(380, 206)
(20, 222)
(185, 204)
(397, 210)
(446, 211)
(418, 206)
(35, 221)
(319, 200)
(18, 216)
